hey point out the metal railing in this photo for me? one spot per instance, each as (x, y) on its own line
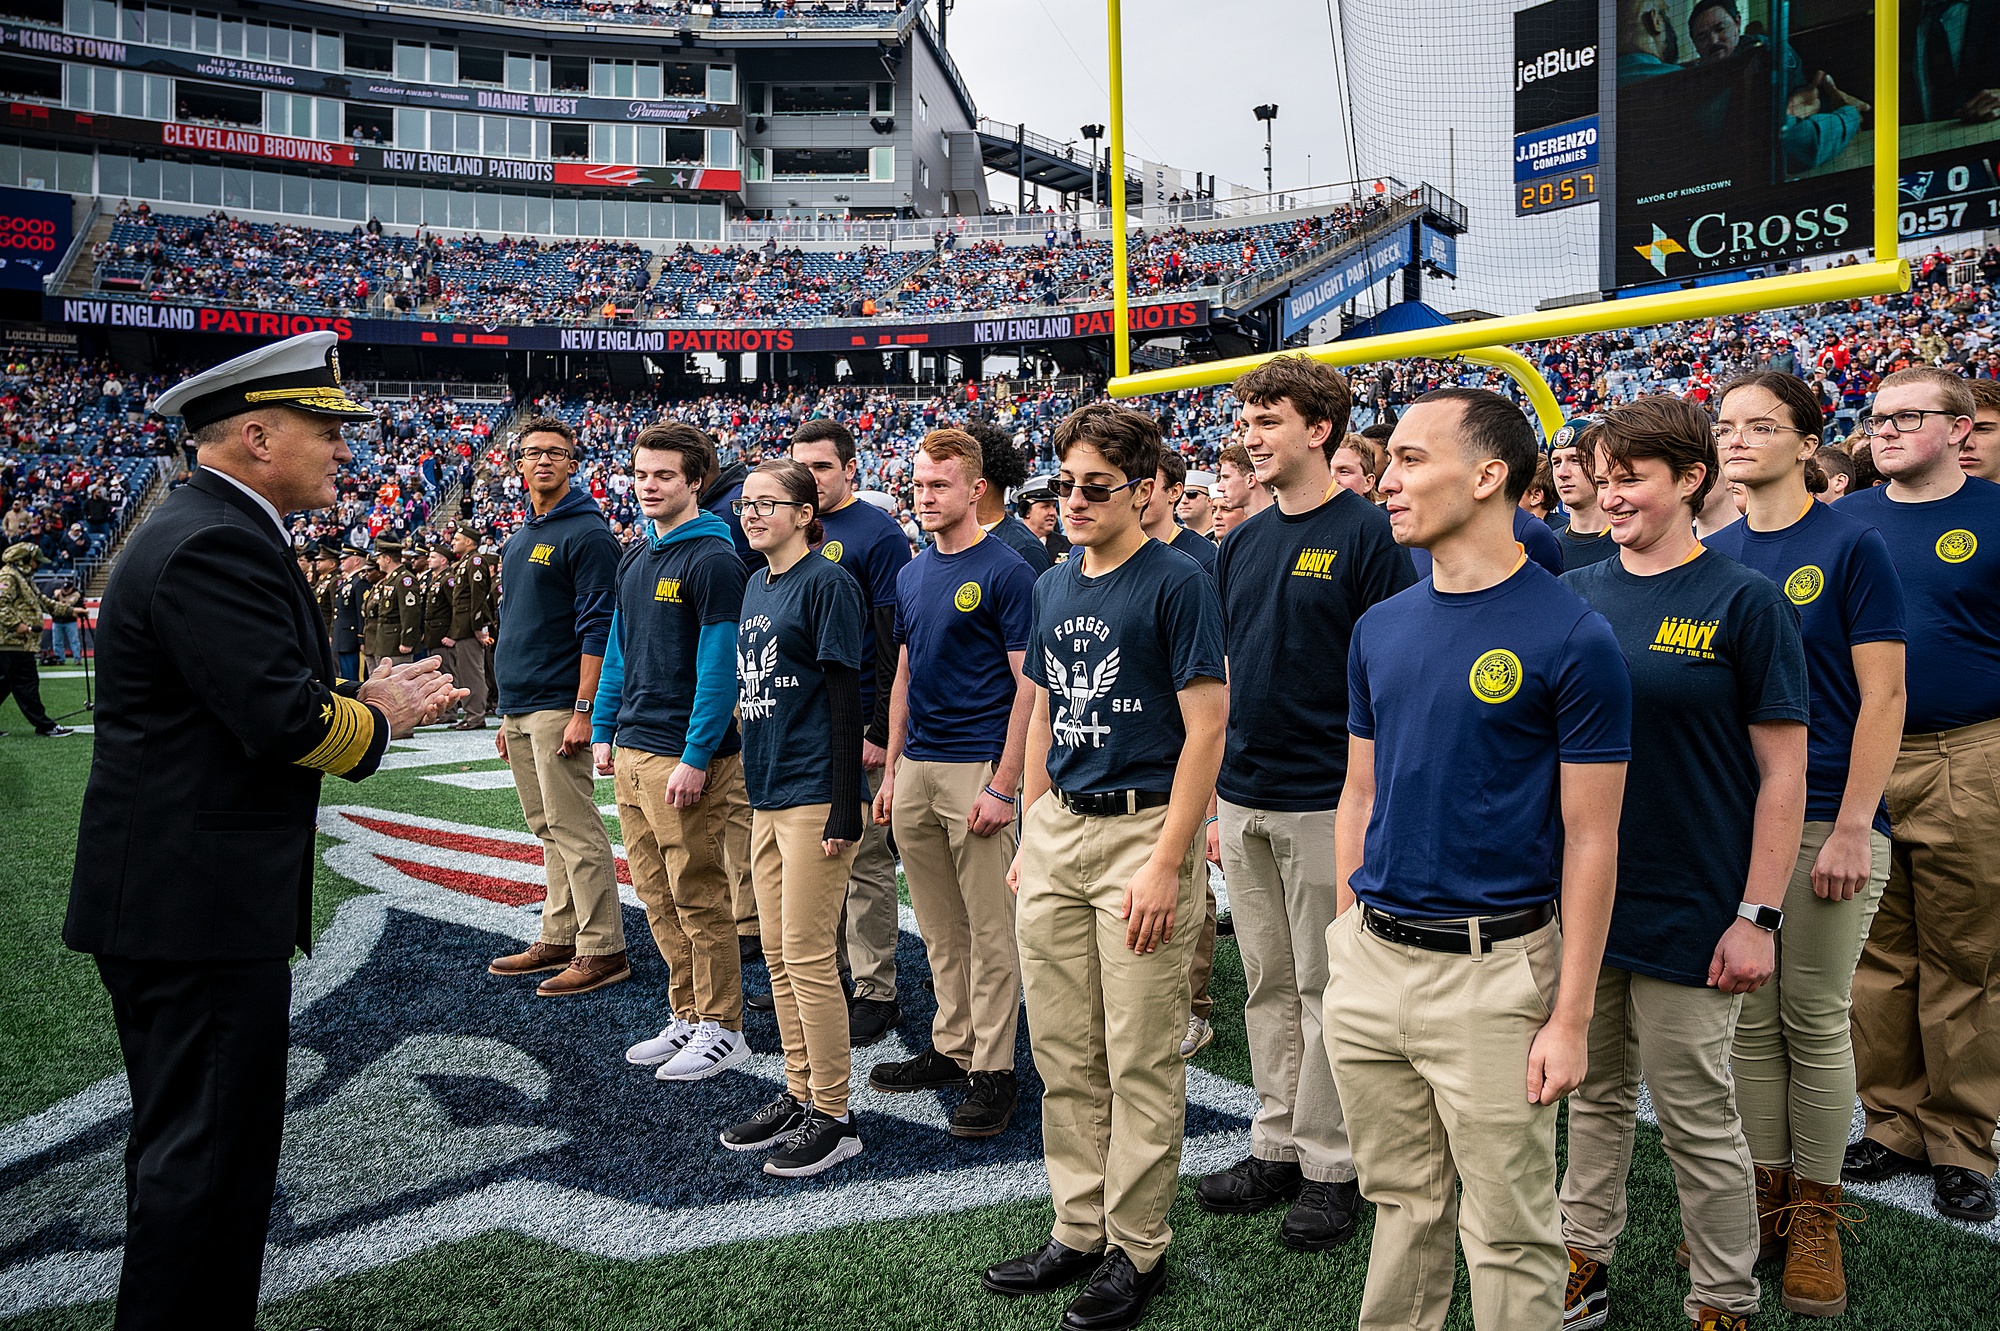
(402, 390)
(1242, 291)
(54, 280)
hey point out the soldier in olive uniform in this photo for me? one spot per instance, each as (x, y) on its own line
(348, 624)
(394, 610)
(475, 608)
(436, 583)
(325, 582)
(21, 610)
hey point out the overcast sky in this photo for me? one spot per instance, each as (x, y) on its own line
(1433, 92)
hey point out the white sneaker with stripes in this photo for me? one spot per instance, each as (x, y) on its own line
(663, 1046)
(712, 1050)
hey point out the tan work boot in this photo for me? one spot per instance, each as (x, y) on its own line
(1774, 1197)
(585, 974)
(1815, 1284)
(538, 957)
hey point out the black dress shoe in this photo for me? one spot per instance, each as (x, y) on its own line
(1869, 1161)
(869, 1019)
(1322, 1217)
(749, 949)
(1049, 1267)
(928, 1071)
(990, 1107)
(1116, 1296)
(1249, 1185)
(760, 1000)
(1962, 1194)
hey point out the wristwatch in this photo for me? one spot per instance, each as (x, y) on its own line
(583, 705)
(1767, 918)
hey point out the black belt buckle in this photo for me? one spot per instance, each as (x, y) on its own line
(1467, 937)
(1109, 803)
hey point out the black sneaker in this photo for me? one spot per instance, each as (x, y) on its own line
(759, 1000)
(869, 1019)
(767, 1127)
(1322, 1217)
(928, 1071)
(1869, 1161)
(990, 1107)
(56, 732)
(749, 949)
(1587, 1295)
(816, 1145)
(1961, 1193)
(1249, 1185)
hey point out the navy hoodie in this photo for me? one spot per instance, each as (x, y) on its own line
(559, 585)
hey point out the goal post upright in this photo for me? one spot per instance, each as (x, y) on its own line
(1121, 311)
(1886, 274)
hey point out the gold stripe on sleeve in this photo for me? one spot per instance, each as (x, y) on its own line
(350, 731)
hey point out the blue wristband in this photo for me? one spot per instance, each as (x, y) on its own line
(1004, 799)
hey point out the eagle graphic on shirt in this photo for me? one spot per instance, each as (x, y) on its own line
(1078, 690)
(755, 669)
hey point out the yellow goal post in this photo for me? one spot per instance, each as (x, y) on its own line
(1485, 341)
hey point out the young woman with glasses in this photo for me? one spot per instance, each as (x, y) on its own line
(799, 710)
(1794, 1058)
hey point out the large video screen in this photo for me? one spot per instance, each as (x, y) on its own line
(1745, 129)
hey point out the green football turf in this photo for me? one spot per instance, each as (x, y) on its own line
(1909, 1271)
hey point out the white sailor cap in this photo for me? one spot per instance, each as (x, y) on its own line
(301, 372)
(877, 499)
(1203, 481)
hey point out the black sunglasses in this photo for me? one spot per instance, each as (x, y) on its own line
(1096, 494)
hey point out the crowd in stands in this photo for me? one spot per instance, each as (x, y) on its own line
(226, 260)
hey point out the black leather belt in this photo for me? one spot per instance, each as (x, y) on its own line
(1111, 803)
(1471, 936)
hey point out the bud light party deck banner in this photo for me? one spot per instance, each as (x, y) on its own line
(34, 236)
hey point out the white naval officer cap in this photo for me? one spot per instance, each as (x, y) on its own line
(877, 499)
(301, 372)
(1204, 481)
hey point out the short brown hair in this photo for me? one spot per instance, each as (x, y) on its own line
(943, 445)
(1367, 450)
(696, 449)
(1317, 392)
(827, 431)
(1985, 394)
(1174, 467)
(546, 425)
(1953, 395)
(1835, 462)
(1677, 433)
(1237, 456)
(1492, 427)
(1129, 440)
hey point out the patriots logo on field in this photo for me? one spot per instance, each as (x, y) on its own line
(430, 1102)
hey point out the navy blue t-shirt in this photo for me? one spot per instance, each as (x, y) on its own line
(1196, 547)
(1534, 536)
(1581, 551)
(1836, 569)
(865, 541)
(1947, 552)
(1292, 587)
(1473, 701)
(1713, 648)
(959, 615)
(1113, 652)
(559, 575)
(809, 614)
(1014, 534)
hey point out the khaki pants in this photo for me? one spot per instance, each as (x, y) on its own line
(1431, 1053)
(372, 665)
(958, 888)
(465, 662)
(1927, 994)
(1201, 961)
(559, 800)
(873, 921)
(1106, 1025)
(1676, 1037)
(1793, 1061)
(676, 857)
(736, 858)
(1279, 867)
(799, 893)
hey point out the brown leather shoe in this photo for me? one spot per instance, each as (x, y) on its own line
(1774, 1202)
(538, 957)
(1815, 1284)
(470, 723)
(585, 974)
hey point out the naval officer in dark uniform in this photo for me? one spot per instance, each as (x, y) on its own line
(218, 714)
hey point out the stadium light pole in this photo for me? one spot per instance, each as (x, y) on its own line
(1121, 306)
(1093, 133)
(1268, 113)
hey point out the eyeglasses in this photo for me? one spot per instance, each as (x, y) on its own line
(1095, 494)
(763, 508)
(552, 454)
(1906, 422)
(1754, 432)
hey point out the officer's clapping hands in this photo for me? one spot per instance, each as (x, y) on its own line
(410, 695)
